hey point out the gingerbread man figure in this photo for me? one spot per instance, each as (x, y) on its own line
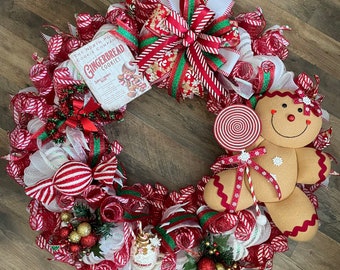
(290, 122)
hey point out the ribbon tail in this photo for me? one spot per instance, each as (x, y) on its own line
(88, 125)
(126, 34)
(268, 176)
(155, 51)
(91, 106)
(208, 79)
(105, 171)
(43, 191)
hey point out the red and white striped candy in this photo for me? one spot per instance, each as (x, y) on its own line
(72, 178)
(237, 127)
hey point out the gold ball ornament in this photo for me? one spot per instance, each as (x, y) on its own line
(65, 216)
(84, 229)
(219, 266)
(74, 237)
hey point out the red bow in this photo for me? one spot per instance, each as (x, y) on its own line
(72, 179)
(244, 161)
(308, 94)
(80, 112)
(195, 42)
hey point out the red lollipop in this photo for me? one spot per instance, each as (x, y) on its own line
(237, 127)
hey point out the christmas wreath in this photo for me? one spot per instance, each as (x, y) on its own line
(82, 206)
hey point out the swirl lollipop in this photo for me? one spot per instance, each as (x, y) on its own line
(237, 127)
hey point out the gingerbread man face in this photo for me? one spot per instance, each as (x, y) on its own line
(284, 120)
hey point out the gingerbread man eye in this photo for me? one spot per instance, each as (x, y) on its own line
(300, 110)
(284, 105)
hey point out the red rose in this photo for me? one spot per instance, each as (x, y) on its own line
(272, 42)
(65, 202)
(111, 210)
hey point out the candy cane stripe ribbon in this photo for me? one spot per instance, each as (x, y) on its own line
(194, 41)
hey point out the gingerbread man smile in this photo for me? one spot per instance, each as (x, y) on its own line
(290, 118)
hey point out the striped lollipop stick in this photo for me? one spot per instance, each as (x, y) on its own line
(260, 219)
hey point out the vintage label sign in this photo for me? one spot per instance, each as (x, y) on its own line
(107, 67)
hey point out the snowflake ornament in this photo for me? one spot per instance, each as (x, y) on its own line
(278, 161)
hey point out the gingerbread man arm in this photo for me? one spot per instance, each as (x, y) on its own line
(313, 165)
(256, 143)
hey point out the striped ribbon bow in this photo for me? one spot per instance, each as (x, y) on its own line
(308, 94)
(244, 162)
(189, 34)
(71, 179)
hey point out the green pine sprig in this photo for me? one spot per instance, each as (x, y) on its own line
(216, 248)
(81, 211)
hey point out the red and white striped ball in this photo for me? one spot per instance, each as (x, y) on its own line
(72, 178)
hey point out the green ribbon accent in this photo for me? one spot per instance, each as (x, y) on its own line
(168, 239)
(179, 218)
(191, 9)
(45, 135)
(126, 34)
(55, 248)
(206, 217)
(129, 192)
(130, 217)
(266, 80)
(218, 26)
(96, 151)
(264, 88)
(214, 58)
(178, 74)
(147, 42)
(253, 101)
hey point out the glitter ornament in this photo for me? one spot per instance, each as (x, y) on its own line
(64, 232)
(74, 237)
(84, 229)
(74, 248)
(65, 216)
(219, 266)
(144, 251)
(88, 241)
(206, 264)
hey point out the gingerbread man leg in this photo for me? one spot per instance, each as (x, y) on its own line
(295, 216)
(222, 193)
